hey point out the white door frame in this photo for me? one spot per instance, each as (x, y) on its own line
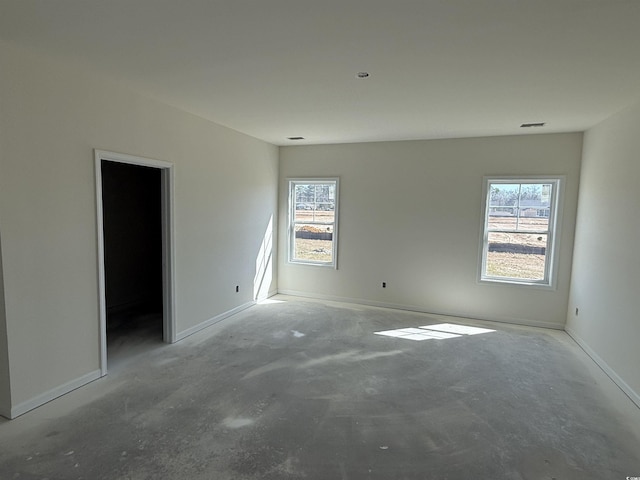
(168, 269)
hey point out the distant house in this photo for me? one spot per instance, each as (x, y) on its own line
(528, 208)
(534, 208)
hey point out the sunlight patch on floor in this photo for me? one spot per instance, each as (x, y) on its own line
(442, 331)
(269, 301)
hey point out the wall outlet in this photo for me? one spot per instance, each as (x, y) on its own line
(384, 284)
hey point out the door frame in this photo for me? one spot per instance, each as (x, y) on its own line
(168, 267)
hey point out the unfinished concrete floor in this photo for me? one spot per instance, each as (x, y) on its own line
(132, 333)
(305, 390)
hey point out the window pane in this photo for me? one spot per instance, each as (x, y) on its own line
(303, 212)
(520, 207)
(312, 221)
(304, 202)
(320, 212)
(504, 195)
(323, 216)
(325, 193)
(519, 221)
(315, 202)
(518, 255)
(502, 220)
(534, 203)
(313, 243)
(305, 193)
(533, 223)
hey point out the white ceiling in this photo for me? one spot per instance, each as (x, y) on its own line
(280, 68)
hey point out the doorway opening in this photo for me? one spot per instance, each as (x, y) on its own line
(135, 255)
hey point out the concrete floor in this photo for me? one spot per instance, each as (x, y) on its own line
(132, 333)
(304, 389)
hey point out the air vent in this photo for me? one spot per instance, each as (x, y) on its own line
(529, 125)
(295, 138)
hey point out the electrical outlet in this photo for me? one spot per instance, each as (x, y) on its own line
(384, 284)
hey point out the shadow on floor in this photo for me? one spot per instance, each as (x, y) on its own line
(131, 333)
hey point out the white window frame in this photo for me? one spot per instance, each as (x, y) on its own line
(291, 183)
(553, 231)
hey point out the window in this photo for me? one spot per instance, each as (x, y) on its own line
(519, 230)
(313, 215)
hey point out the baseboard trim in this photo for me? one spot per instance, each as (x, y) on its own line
(414, 308)
(213, 320)
(52, 394)
(610, 372)
(61, 390)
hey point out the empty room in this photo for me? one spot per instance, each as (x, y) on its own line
(354, 239)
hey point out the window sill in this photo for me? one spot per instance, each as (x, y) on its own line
(512, 283)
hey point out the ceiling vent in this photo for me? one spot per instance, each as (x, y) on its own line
(529, 125)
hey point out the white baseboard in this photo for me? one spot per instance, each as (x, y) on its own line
(629, 392)
(414, 308)
(52, 394)
(56, 392)
(207, 323)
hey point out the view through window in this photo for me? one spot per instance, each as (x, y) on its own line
(313, 221)
(519, 230)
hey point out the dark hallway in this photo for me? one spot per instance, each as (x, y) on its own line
(133, 258)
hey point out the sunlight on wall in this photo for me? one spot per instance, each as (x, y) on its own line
(441, 331)
(264, 266)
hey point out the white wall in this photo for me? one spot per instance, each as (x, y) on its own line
(410, 215)
(5, 386)
(606, 264)
(52, 118)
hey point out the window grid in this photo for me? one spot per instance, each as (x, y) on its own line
(313, 212)
(519, 230)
